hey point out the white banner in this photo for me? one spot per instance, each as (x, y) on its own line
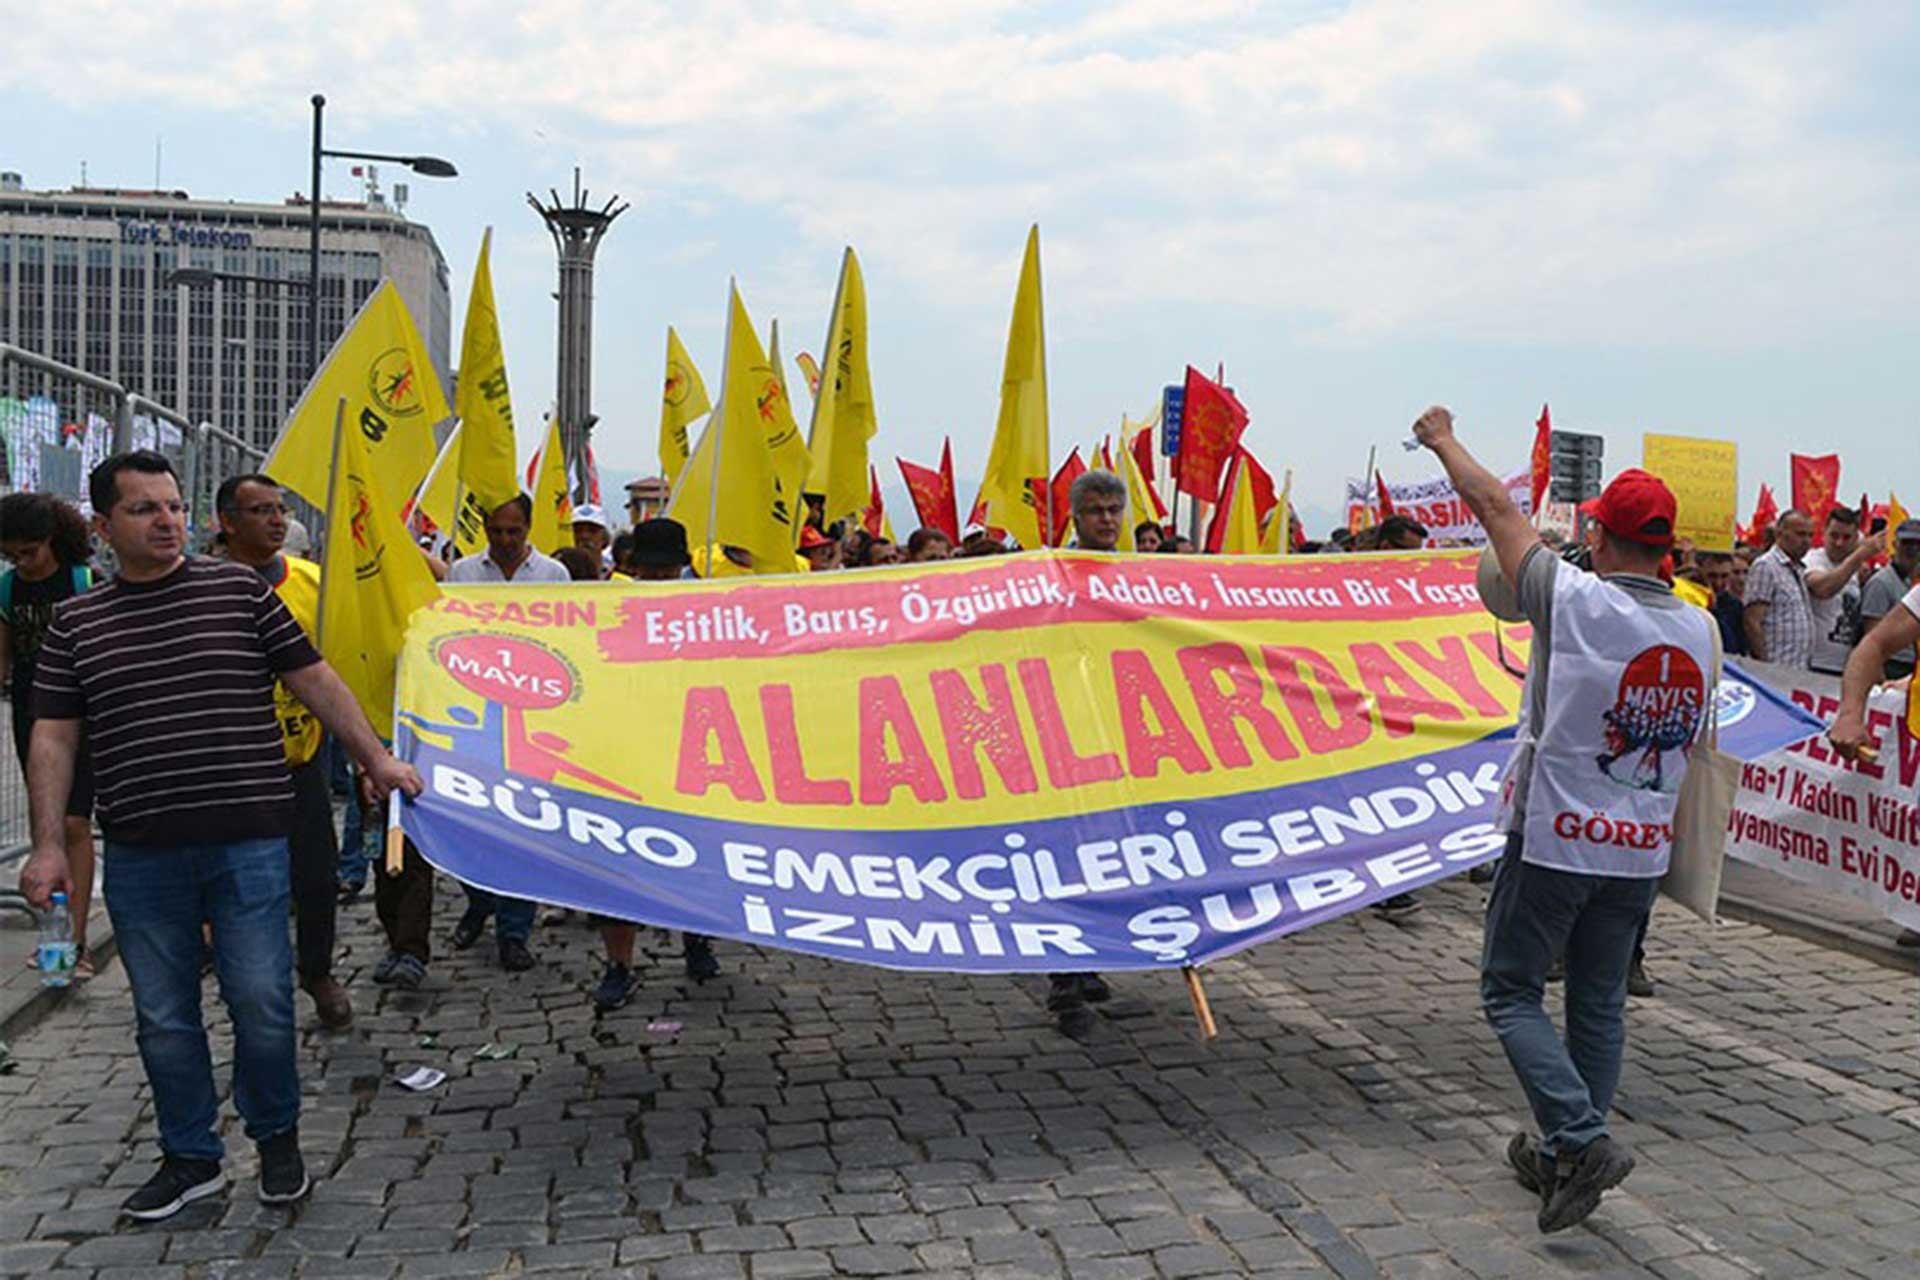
(1435, 504)
(1845, 828)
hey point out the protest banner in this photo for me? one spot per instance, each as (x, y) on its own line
(1705, 478)
(1023, 763)
(1435, 505)
(1850, 828)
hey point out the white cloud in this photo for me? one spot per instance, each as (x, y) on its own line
(1532, 171)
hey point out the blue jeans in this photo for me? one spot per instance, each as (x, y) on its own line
(157, 897)
(352, 870)
(512, 917)
(1535, 914)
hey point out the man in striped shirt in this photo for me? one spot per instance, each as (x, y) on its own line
(170, 668)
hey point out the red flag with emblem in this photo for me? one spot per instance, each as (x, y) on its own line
(1542, 457)
(1816, 485)
(934, 501)
(1210, 428)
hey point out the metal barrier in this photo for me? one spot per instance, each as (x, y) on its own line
(51, 438)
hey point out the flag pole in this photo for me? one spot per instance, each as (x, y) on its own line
(717, 422)
(1201, 1009)
(333, 482)
(1366, 490)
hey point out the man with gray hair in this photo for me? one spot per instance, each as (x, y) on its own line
(1098, 500)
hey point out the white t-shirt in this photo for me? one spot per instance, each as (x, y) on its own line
(535, 568)
(1912, 600)
(1836, 620)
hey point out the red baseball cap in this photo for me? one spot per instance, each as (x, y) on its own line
(1637, 506)
(811, 537)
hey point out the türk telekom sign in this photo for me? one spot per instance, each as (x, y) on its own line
(184, 234)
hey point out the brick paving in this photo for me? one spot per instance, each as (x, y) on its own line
(809, 1119)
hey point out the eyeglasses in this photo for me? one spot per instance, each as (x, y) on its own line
(265, 509)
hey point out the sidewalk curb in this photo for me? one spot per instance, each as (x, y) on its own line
(22, 1014)
(1827, 933)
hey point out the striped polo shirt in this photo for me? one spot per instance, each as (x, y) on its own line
(174, 679)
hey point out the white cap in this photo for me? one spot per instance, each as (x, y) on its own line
(590, 513)
(972, 530)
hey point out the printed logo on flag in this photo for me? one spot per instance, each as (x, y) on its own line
(393, 384)
(367, 550)
(678, 385)
(513, 671)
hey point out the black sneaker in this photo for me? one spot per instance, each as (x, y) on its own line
(1580, 1178)
(468, 931)
(1532, 1172)
(1399, 907)
(514, 956)
(697, 951)
(615, 989)
(283, 1174)
(1638, 983)
(383, 972)
(1094, 989)
(1063, 993)
(178, 1182)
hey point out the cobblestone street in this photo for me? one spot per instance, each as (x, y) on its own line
(797, 1118)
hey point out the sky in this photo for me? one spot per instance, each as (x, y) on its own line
(1667, 217)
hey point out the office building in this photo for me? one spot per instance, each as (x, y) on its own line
(84, 279)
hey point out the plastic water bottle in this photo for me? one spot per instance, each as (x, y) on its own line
(57, 952)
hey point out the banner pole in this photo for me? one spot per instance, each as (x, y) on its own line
(1201, 1009)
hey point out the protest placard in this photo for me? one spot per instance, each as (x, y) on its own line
(1705, 478)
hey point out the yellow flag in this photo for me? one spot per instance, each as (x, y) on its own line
(1242, 537)
(734, 490)
(1896, 514)
(1278, 539)
(485, 409)
(440, 491)
(552, 524)
(1019, 455)
(683, 399)
(843, 414)
(372, 578)
(394, 401)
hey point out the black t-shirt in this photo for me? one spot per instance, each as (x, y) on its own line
(29, 613)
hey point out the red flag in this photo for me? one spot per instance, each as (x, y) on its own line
(1386, 499)
(1542, 456)
(874, 517)
(1866, 514)
(1765, 512)
(1265, 499)
(1062, 486)
(1816, 485)
(1210, 428)
(1143, 459)
(934, 501)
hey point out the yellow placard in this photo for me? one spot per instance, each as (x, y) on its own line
(1705, 478)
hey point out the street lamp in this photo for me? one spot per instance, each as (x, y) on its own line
(196, 277)
(425, 166)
